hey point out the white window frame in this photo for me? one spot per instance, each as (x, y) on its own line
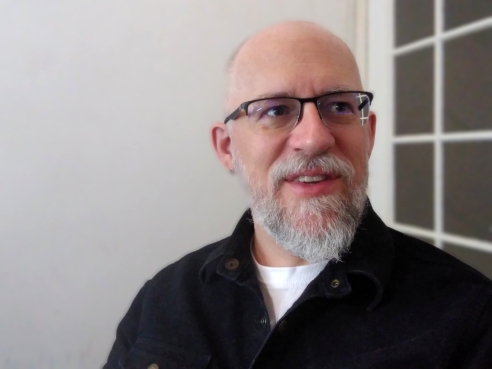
(380, 79)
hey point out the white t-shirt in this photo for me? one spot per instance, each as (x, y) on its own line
(282, 286)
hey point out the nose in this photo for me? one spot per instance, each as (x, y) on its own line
(311, 135)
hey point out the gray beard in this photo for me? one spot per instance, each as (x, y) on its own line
(315, 229)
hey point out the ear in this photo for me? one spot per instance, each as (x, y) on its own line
(221, 141)
(371, 127)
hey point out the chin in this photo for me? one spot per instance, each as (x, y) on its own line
(314, 229)
(307, 217)
(316, 214)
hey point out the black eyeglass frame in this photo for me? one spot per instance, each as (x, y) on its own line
(244, 106)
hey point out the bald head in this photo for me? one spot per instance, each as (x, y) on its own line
(289, 50)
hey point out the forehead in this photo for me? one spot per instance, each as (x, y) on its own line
(302, 67)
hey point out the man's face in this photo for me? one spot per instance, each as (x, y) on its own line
(272, 164)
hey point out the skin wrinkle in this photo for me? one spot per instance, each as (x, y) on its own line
(298, 59)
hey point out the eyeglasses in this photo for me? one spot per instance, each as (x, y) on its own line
(282, 114)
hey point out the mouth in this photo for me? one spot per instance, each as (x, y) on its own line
(311, 177)
(313, 183)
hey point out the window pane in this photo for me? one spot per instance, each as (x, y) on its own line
(459, 12)
(414, 79)
(414, 187)
(414, 19)
(480, 260)
(468, 189)
(468, 82)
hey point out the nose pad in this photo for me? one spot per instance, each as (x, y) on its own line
(301, 112)
(313, 137)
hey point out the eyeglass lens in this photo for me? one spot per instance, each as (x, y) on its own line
(281, 114)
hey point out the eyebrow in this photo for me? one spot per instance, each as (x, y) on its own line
(274, 95)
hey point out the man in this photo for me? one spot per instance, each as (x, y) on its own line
(310, 277)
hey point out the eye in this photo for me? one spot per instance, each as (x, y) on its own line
(340, 108)
(274, 112)
(277, 111)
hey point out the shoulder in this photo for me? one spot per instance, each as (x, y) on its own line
(447, 297)
(188, 267)
(431, 262)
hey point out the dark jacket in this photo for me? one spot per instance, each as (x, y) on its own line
(394, 302)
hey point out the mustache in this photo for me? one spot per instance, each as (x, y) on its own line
(301, 162)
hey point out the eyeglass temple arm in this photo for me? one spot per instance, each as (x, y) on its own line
(234, 114)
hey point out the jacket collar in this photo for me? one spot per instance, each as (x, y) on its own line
(371, 255)
(234, 249)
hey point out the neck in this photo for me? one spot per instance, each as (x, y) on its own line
(269, 253)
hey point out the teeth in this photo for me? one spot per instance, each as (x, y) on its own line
(309, 179)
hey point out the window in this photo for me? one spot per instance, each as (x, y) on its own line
(431, 171)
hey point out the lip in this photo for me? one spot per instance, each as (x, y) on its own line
(312, 172)
(322, 188)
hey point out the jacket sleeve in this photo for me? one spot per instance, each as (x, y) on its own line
(479, 355)
(127, 331)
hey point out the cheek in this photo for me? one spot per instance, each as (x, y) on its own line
(260, 155)
(355, 149)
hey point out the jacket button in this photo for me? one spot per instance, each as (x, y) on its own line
(282, 327)
(231, 264)
(153, 366)
(335, 283)
(263, 321)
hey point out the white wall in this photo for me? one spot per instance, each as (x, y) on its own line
(106, 170)
(379, 80)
